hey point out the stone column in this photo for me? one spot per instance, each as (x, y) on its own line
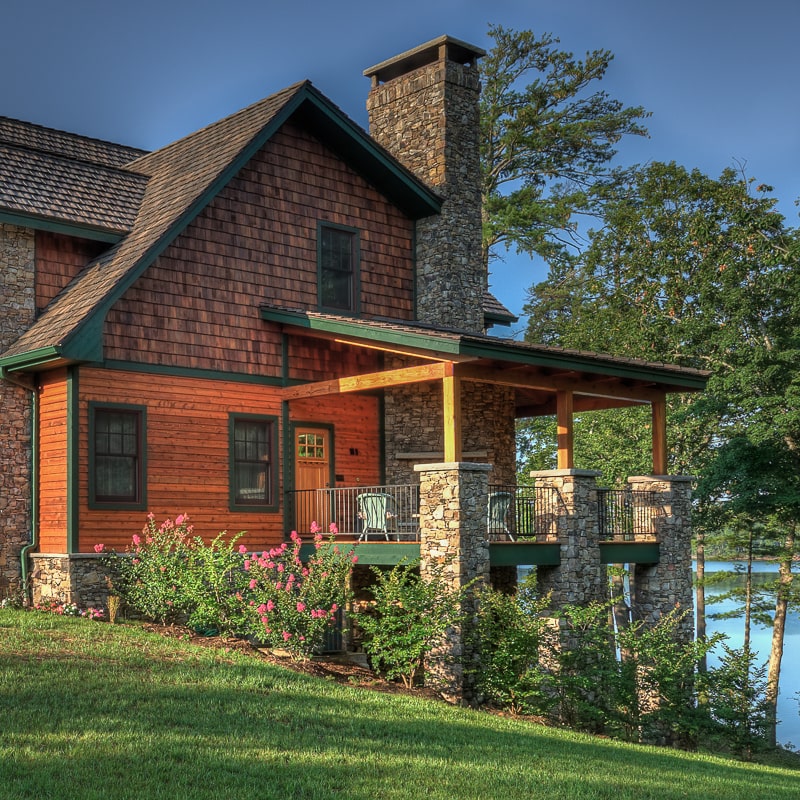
(660, 588)
(580, 578)
(17, 301)
(453, 542)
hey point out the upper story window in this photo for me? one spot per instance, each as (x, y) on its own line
(337, 264)
(253, 472)
(117, 455)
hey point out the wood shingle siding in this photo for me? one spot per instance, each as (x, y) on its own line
(59, 259)
(53, 471)
(198, 305)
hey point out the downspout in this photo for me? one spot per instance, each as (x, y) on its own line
(34, 535)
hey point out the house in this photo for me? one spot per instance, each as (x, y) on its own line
(279, 304)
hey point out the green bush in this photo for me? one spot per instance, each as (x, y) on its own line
(408, 618)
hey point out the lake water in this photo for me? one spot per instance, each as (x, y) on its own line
(761, 642)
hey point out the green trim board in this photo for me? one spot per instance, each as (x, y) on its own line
(629, 553)
(271, 422)
(370, 554)
(109, 235)
(41, 357)
(192, 372)
(73, 475)
(511, 554)
(114, 505)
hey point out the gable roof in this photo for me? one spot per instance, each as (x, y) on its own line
(61, 181)
(181, 179)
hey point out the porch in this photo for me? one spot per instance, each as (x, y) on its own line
(382, 524)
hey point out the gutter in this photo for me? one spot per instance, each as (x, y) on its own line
(34, 534)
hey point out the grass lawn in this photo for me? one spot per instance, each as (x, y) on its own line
(90, 710)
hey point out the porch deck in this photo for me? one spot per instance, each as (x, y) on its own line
(381, 524)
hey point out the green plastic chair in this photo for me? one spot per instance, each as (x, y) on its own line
(377, 513)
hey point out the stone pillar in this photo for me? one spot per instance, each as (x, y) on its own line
(17, 312)
(660, 588)
(580, 578)
(453, 542)
(423, 108)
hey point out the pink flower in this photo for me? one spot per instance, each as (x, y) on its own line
(286, 636)
(253, 583)
(295, 537)
(247, 564)
(315, 528)
(281, 568)
(301, 607)
(181, 518)
(137, 540)
(333, 528)
(242, 549)
(270, 605)
(151, 516)
(98, 548)
(262, 609)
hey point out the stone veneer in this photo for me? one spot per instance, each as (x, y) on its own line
(17, 301)
(452, 510)
(428, 117)
(660, 588)
(413, 424)
(77, 578)
(580, 578)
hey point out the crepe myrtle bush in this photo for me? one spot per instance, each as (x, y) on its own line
(276, 598)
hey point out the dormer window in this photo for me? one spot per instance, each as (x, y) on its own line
(337, 264)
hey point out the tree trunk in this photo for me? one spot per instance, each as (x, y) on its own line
(700, 598)
(778, 630)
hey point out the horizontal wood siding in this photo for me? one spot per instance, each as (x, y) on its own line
(356, 433)
(198, 305)
(59, 259)
(53, 462)
(187, 451)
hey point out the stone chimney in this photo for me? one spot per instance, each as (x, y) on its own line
(423, 108)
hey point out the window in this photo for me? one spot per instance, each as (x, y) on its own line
(116, 452)
(338, 255)
(253, 459)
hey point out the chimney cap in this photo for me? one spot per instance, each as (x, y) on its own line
(428, 53)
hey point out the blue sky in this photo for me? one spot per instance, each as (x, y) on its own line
(719, 76)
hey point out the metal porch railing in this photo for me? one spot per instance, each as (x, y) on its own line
(627, 515)
(523, 512)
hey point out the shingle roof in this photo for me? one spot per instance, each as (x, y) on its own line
(495, 311)
(181, 179)
(454, 341)
(67, 178)
(179, 176)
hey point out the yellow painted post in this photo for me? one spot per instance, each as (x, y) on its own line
(659, 425)
(451, 396)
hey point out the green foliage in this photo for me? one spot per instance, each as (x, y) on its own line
(408, 618)
(547, 136)
(510, 632)
(150, 577)
(220, 587)
(736, 697)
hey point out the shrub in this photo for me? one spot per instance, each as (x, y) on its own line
(407, 619)
(509, 634)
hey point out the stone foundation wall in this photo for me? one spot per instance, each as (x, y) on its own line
(660, 588)
(17, 312)
(453, 504)
(79, 579)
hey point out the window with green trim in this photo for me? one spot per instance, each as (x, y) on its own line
(253, 467)
(117, 450)
(338, 257)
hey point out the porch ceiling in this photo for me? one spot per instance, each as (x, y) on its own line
(537, 373)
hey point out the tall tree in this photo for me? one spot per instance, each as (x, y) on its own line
(701, 272)
(547, 136)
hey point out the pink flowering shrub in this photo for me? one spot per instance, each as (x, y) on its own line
(150, 575)
(69, 610)
(273, 597)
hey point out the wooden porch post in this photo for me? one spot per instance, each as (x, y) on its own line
(451, 396)
(659, 430)
(564, 421)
